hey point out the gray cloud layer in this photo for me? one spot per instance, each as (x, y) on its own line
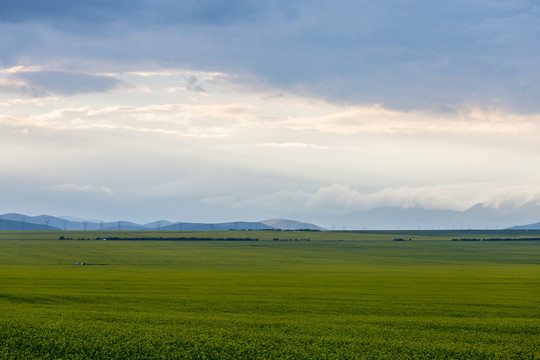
(415, 54)
(45, 83)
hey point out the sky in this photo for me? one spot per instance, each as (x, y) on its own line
(219, 110)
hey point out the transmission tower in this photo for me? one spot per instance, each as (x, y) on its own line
(65, 224)
(85, 223)
(22, 223)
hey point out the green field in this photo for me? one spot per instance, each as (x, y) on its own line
(365, 296)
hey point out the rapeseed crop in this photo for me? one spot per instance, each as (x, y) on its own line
(269, 300)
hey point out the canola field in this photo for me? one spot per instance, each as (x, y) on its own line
(340, 295)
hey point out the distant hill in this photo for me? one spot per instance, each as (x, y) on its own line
(535, 226)
(238, 225)
(479, 216)
(14, 221)
(158, 224)
(52, 221)
(11, 225)
(284, 224)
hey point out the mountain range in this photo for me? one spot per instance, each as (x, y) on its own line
(14, 221)
(479, 216)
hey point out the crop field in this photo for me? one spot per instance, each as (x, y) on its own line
(289, 295)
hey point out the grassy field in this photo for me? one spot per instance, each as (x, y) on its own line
(363, 297)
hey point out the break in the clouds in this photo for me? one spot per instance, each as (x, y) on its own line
(226, 110)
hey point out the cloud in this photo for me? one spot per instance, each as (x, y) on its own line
(406, 55)
(83, 188)
(512, 197)
(197, 121)
(340, 198)
(34, 101)
(291, 145)
(21, 68)
(193, 84)
(181, 72)
(46, 83)
(377, 119)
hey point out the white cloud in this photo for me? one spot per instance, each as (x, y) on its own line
(169, 119)
(376, 119)
(340, 198)
(175, 72)
(33, 101)
(512, 197)
(22, 69)
(292, 145)
(83, 188)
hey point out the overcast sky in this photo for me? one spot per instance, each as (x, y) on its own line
(210, 110)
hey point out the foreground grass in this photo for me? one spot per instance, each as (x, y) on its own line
(320, 300)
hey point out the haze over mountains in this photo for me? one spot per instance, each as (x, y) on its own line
(479, 216)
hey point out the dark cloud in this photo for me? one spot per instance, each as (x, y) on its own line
(43, 83)
(193, 84)
(402, 54)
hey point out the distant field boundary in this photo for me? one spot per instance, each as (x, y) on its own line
(172, 239)
(497, 239)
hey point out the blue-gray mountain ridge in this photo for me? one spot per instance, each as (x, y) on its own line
(14, 221)
(479, 216)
